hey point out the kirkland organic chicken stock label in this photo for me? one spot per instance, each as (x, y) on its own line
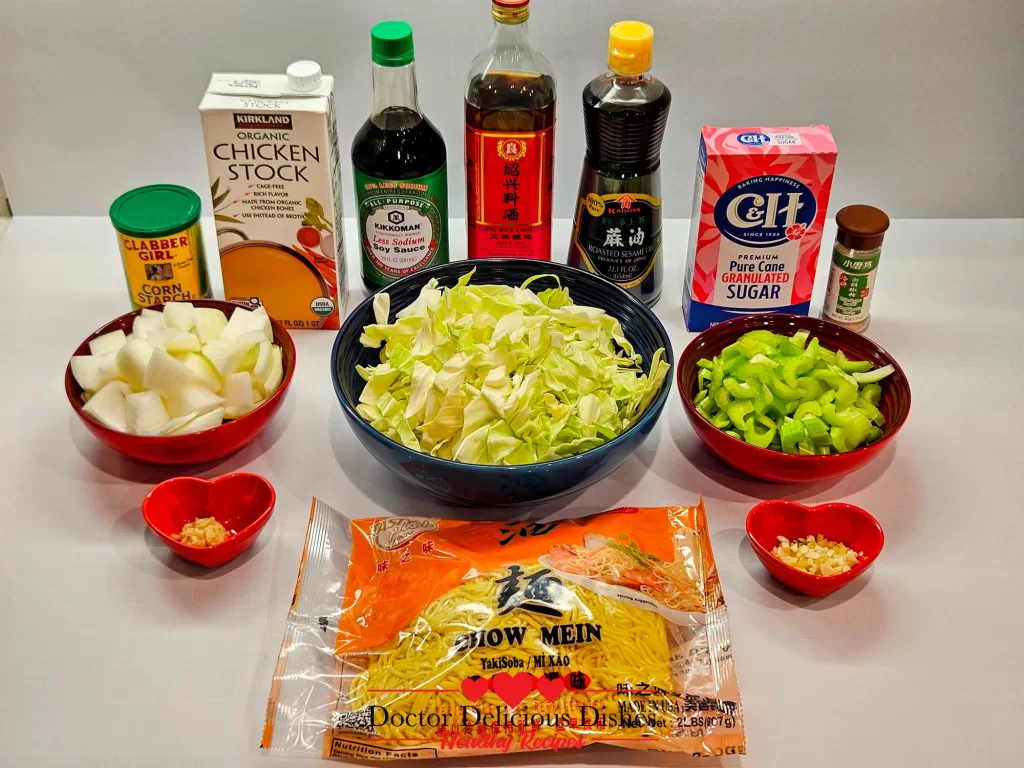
(402, 224)
(275, 183)
(759, 208)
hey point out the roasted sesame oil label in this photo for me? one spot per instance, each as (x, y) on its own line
(619, 236)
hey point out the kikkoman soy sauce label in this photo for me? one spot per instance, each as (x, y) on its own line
(619, 235)
(402, 224)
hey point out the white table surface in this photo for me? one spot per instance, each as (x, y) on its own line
(114, 652)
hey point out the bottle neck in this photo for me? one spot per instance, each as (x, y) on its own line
(511, 36)
(395, 87)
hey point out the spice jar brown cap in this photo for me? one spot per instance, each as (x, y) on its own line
(861, 227)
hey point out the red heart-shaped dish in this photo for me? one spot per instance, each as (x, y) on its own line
(837, 521)
(241, 502)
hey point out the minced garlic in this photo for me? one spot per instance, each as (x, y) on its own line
(204, 532)
(816, 556)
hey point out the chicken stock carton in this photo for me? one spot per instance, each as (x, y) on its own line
(275, 180)
(759, 208)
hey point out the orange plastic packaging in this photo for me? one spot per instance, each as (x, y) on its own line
(414, 637)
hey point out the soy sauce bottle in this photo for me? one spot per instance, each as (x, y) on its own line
(400, 164)
(617, 223)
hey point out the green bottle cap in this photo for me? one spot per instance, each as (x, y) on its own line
(155, 211)
(391, 44)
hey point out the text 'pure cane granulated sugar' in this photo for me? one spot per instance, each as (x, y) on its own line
(759, 207)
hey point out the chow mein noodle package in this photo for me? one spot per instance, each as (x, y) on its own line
(414, 637)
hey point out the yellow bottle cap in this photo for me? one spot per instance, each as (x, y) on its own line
(630, 46)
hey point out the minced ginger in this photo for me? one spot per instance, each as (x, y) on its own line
(203, 532)
(816, 555)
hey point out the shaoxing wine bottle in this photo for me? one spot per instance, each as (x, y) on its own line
(510, 142)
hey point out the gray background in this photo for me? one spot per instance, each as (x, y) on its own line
(924, 96)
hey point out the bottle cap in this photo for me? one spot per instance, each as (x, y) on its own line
(630, 47)
(510, 11)
(304, 76)
(861, 227)
(391, 44)
(155, 211)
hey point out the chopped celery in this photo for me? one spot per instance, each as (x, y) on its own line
(813, 388)
(738, 413)
(794, 367)
(760, 439)
(783, 391)
(788, 348)
(847, 366)
(869, 410)
(722, 399)
(807, 409)
(791, 433)
(872, 393)
(752, 370)
(837, 418)
(717, 375)
(816, 429)
(870, 377)
(838, 438)
(759, 358)
(846, 394)
(776, 408)
(858, 431)
(721, 420)
(739, 390)
(791, 394)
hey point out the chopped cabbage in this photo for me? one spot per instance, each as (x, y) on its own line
(492, 374)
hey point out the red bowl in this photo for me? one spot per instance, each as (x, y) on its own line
(775, 465)
(241, 502)
(837, 521)
(198, 447)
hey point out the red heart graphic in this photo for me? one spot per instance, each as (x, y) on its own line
(512, 689)
(475, 687)
(573, 685)
(550, 688)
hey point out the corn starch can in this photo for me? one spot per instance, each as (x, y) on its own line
(161, 245)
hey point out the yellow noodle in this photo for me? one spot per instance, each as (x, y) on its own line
(633, 651)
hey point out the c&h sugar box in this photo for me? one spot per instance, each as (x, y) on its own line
(759, 208)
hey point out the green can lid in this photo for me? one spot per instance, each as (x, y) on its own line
(156, 210)
(391, 44)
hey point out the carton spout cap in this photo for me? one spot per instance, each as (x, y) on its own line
(304, 76)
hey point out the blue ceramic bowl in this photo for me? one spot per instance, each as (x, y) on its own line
(491, 486)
